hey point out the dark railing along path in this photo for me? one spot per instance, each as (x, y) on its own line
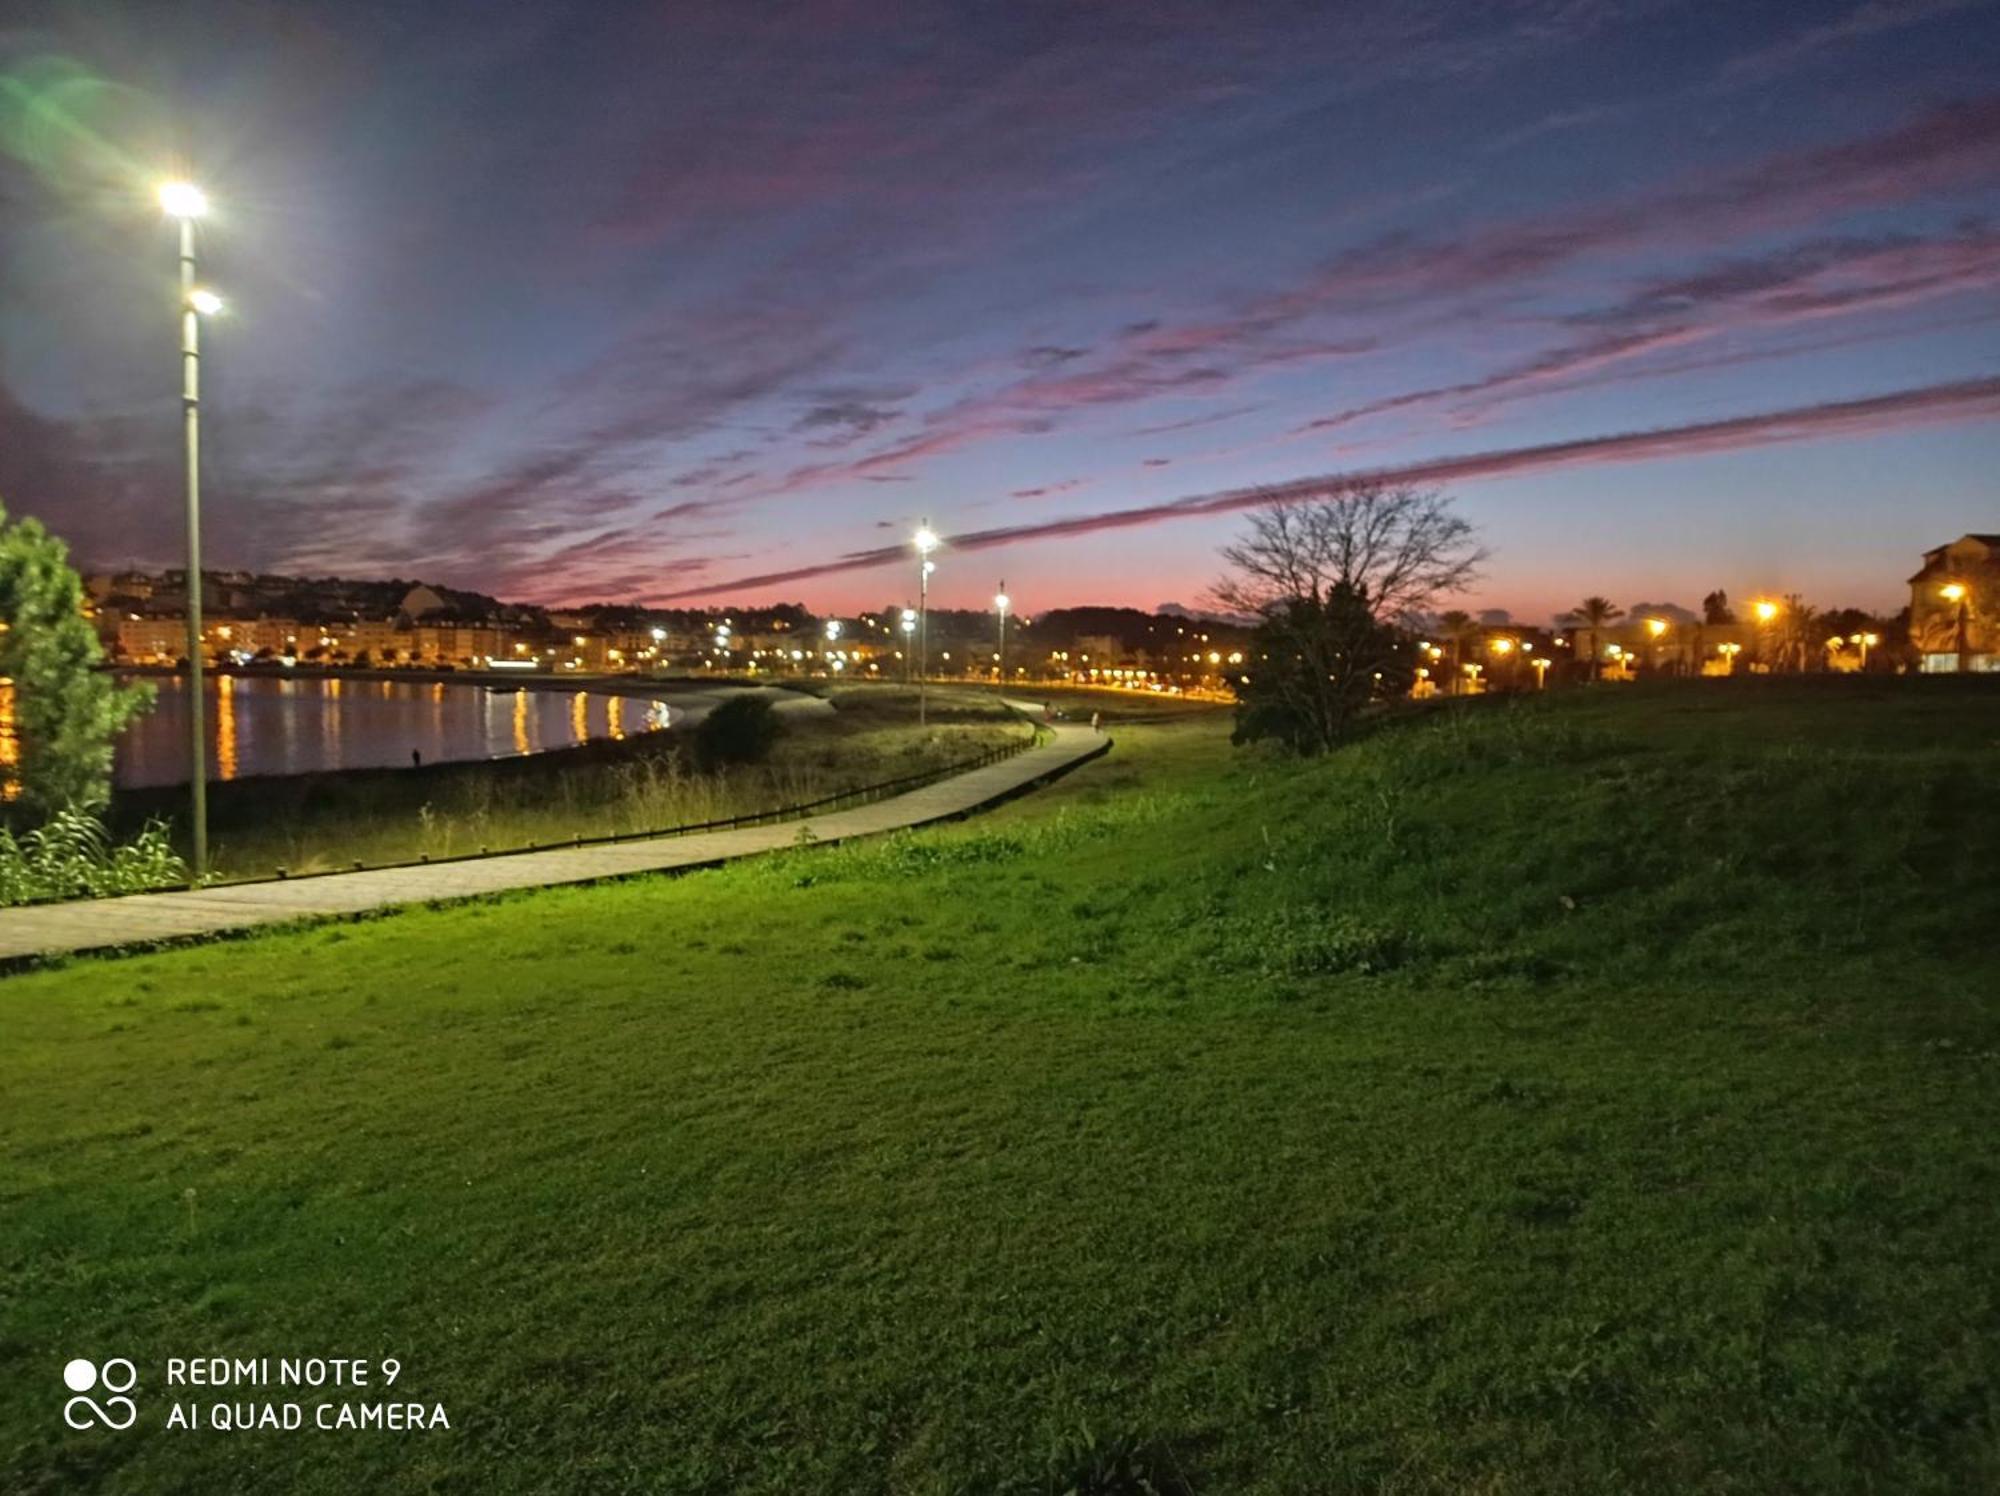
(142, 919)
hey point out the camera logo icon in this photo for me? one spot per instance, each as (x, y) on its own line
(116, 1377)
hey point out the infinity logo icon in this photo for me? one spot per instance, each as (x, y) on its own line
(117, 1375)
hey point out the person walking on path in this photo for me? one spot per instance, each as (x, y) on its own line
(1096, 722)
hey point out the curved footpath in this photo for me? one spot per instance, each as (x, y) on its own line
(144, 919)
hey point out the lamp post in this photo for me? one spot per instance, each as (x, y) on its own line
(186, 202)
(909, 630)
(1864, 640)
(926, 541)
(1764, 611)
(1001, 601)
(1956, 593)
(1656, 631)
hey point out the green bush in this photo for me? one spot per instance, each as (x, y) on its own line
(742, 730)
(66, 710)
(71, 856)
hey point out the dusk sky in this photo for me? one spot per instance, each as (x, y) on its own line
(713, 301)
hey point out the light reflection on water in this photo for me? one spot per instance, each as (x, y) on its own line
(297, 725)
(10, 744)
(225, 728)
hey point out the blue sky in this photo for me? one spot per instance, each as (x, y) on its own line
(715, 300)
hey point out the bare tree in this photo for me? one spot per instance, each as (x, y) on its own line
(1401, 548)
(1334, 582)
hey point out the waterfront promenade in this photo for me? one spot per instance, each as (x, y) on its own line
(138, 920)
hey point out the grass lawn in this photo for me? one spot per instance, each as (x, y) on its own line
(1596, 1094)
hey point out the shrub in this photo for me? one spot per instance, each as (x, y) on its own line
(1327, 659)
(742, 730)
(72, 856)
(66, 711)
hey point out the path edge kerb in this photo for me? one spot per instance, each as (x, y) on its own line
(13, 964)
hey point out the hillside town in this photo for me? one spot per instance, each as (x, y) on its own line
(251, 619)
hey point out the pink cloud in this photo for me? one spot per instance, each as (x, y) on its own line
(1928, 405)
(1944, 149)
(1802, 283)
(1049, 490)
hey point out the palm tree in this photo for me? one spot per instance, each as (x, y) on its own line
(1802, 630)
(1592, 614)
(1457, 625)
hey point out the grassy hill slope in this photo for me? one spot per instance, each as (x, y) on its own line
(1592, 1094)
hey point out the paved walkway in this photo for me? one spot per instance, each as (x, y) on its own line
(142, 919)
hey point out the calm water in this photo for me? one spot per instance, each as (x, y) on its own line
(264, 726)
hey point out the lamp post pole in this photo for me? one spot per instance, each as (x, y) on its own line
(1958, 594)
(191, 429)
(1764, 612)
(184, 201)
(926, 542)
(1000, 602)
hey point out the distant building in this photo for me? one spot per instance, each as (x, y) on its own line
(459, 644)
(151, 640)
(1952, 603)
(227, 637)
(376, 639)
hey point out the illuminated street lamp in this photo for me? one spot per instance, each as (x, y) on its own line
(1541, 672)
(186, 202)
(1866, 641)
(925, 541)
(1763, 610)
(183, 200)
(1656, 630)
(909, 627)
(1959, 595)
(1001, 603)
